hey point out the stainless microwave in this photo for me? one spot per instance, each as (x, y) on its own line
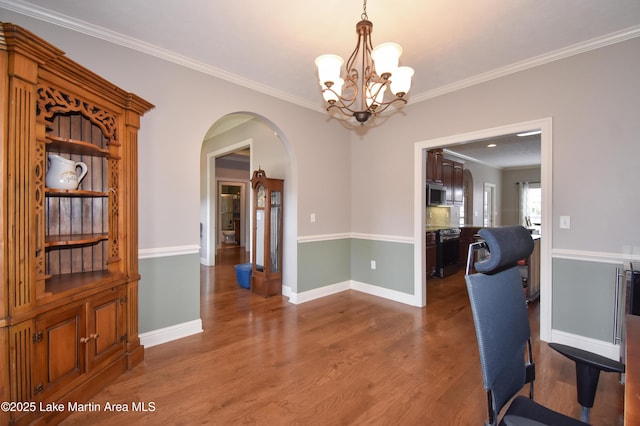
(436, 195)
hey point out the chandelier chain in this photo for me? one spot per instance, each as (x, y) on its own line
(364, 16)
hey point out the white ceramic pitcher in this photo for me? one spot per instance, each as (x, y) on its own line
(63, 173)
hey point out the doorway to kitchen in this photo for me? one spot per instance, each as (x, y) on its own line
(544, 126)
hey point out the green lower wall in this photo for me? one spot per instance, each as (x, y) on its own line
(322, 263)
(584, 298)
(169, 291)
(394, 264)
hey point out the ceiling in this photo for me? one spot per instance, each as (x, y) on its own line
(270, 45)
(509, 151)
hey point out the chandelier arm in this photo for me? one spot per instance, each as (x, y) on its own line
(386, 105)
(343, 110)
(343, 103)
(354, 55)
(361, 79)
(344, 99)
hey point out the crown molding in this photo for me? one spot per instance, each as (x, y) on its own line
(114, 37)
(536, 61)
(105, 34)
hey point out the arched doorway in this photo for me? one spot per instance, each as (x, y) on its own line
(269, 150)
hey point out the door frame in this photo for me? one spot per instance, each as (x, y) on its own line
(492, 207)
(546, 167)
(244, 185)
(209, 237)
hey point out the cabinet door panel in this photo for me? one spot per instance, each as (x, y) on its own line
(60, 357)
(106, 325)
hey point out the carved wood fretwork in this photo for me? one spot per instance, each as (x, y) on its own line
(114, 245)
(39, 219)
(52, 101)
(69, 256)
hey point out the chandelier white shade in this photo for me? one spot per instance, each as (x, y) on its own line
(329, 67)
(386, 57)
(360, 91)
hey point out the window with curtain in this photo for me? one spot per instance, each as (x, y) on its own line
(530, 204)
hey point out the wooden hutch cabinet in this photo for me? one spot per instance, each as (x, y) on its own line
(69, 299)
(266, 273)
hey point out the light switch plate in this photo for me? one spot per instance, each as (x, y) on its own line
(565, 222)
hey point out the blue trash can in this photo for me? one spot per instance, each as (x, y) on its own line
(243, 275)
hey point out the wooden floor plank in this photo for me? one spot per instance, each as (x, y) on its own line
(345, 359)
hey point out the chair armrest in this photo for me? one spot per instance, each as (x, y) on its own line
(589, 358)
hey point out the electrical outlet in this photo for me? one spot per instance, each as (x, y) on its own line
(373, 264)
(313, 218)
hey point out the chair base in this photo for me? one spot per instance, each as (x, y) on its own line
(532, 412)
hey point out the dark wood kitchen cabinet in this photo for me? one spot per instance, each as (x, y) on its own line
(69, 314)
(431, 254)
(434, 166)
(452, 179)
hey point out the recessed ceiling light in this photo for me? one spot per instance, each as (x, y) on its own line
(491, 145)
(531, 133)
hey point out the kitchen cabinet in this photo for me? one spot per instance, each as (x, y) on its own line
(70, 259)
(431, 253)
(447, 179)
(447, 173)
(452, 179)
(434, 166)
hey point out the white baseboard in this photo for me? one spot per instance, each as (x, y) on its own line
(599, 347)
(297, 298)
(396, 296)
(173, 332)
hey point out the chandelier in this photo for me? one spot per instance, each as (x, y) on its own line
(369, 72)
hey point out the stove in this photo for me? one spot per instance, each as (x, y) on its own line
(447, 251)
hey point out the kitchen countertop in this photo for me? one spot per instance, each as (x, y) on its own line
(432, 228)
(437, 228)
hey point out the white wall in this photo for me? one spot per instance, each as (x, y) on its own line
(485, 174)
(593, 101)
(187, 104)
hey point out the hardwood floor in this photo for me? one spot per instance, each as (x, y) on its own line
(349, 358)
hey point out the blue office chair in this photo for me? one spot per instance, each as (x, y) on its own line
(501, 321)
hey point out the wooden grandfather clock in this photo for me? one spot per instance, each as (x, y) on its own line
(266, 274)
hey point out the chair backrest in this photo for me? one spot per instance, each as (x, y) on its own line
(500, 313)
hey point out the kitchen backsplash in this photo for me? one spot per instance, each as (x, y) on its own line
(442, 216)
